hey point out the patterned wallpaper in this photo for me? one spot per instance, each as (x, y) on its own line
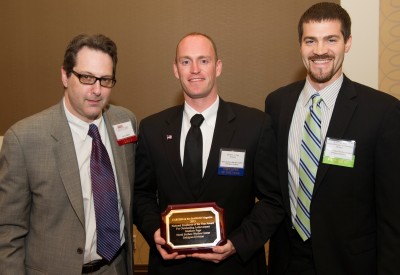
(389, 47)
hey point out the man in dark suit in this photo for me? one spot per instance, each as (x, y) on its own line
(347, 220)
(49, 221)
(162, 179)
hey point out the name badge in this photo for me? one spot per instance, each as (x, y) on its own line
(231, 162)
(124, 133)
(339, 152)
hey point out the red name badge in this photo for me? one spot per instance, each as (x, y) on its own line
(124, 133)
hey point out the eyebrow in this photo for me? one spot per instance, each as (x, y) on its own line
(197, 57)
(325, 37)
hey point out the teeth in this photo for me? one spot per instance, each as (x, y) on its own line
(321, 61)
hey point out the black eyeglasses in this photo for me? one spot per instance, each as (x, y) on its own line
(90, 80)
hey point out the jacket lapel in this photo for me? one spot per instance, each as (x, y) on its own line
(285, 119)
(120, 162)
(64, 151)
(344, 108)
(171, 138)
(224, 129)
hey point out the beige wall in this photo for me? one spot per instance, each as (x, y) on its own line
(389, 47)
(374, 57)
(362, 62)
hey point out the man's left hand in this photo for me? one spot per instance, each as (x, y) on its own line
(218, 254)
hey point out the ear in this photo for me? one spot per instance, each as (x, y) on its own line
(218, 68)
(347, 46)
(176, 72)
(64, 77)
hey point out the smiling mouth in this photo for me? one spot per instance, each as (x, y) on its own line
(322, 59)
(196, 79)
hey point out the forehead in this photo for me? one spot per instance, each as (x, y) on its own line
(195, 45)
(322, 29)
(94, 61)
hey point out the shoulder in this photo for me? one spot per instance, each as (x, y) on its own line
(119, 111)
(118, 114)
(39, 121)
(369, 96)
(242, 113)
(163, 116)
(281, 92)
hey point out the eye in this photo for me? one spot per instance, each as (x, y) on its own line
(185, 62)
(308, 41)
(204, 61)
(332, 40)
(87, 77)
(106, 80)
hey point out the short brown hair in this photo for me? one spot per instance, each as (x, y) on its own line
(326, 11)
(96, 42)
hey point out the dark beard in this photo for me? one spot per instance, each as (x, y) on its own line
(321, 78)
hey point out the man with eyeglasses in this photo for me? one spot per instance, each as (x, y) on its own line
(65, 175)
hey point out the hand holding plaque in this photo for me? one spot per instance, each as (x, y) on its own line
(193, 228)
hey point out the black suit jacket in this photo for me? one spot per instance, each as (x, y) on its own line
(160, 181)
(355, 214)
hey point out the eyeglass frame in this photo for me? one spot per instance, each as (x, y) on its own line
(100, 79)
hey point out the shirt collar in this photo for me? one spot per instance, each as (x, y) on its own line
(209, 114)
(328, 94)
(79, 126)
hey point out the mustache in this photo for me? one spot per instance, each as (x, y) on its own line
(320, 57)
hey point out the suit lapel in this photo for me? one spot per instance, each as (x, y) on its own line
(171, 138)
(341, 117)
(224, 130)
(120, 162)
(67, 164)
(285, 119)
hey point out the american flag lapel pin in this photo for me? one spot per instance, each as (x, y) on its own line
(169, 137)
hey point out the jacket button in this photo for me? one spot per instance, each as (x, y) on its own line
(79, 250)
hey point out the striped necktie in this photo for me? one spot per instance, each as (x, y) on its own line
(310, 152)
(105, 198)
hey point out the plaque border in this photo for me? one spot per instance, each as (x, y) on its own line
(196, 248)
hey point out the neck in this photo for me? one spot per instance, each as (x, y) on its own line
(200, 104)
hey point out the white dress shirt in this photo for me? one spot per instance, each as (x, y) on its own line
(207, 129)
(83, 149)
(329, 95)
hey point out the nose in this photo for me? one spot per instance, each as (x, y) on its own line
(320, 48)
(195, 69)
(96, 88)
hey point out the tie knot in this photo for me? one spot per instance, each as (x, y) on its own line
(93, 132)
(196, 120)
(316, 99)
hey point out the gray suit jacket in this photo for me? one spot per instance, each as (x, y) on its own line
(42, 216)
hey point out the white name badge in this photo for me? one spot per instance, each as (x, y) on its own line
(124, 133)
(339, 152)
(231, 162)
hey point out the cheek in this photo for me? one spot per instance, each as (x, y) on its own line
(106, 94)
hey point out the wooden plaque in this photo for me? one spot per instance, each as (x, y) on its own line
(193, 228)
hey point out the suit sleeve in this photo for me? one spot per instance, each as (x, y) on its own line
(268, 212)
(146, 213)
(387, 186)
(15, 201)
